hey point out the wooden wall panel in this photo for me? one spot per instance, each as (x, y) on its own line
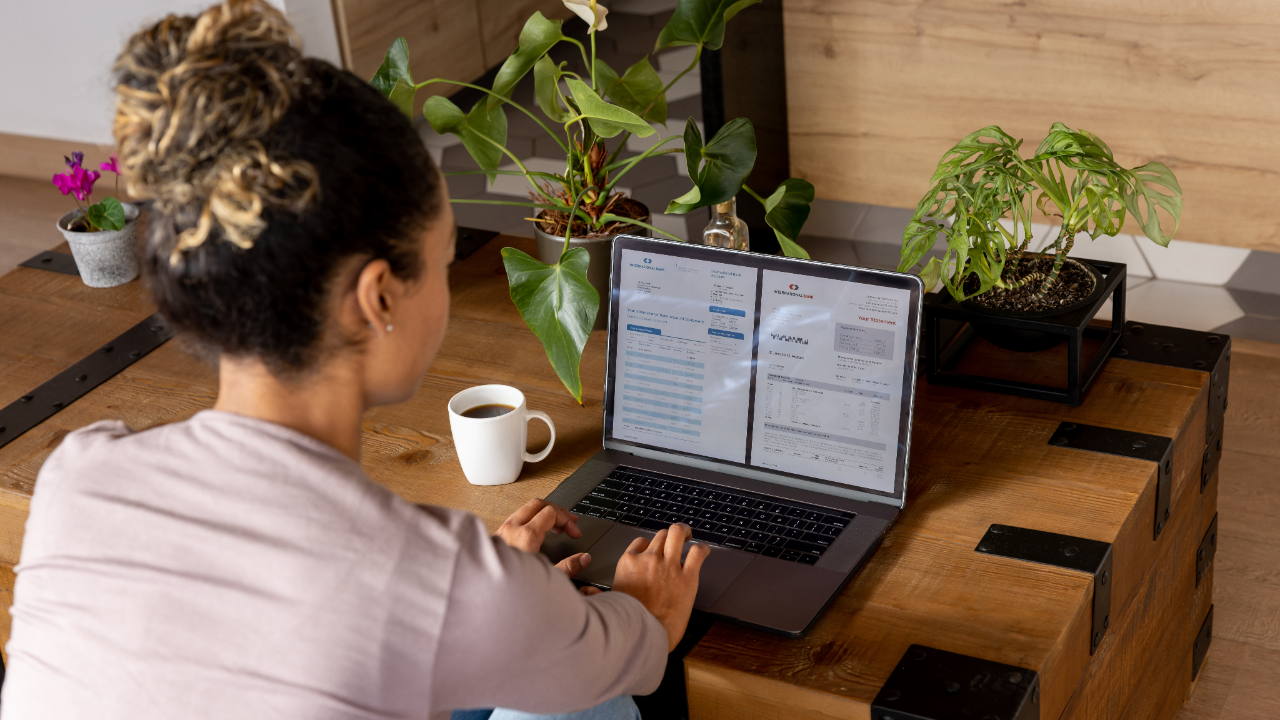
(502, 20)
(444, 38)
(877, 90)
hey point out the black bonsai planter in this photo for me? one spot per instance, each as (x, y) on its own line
(949, 328)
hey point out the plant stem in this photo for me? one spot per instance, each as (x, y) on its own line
(1061, 249)
(622, 163)
(516, 105)
(631, 221)
(523, 170)
(592, 33)
(753, 194)
(676, 79)
(632, 162)
(583, 50)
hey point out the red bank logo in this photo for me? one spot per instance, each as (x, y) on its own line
(791, 290)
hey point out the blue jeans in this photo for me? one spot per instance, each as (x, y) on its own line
(619, 708)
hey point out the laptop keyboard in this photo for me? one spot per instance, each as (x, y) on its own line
(761, 524)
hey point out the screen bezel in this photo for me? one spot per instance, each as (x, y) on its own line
(756, 261)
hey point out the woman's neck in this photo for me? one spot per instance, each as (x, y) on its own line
(326, 404)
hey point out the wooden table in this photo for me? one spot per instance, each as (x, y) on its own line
(977, 459)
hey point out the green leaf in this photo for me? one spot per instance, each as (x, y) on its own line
(538, 36)
(558, 304)
(402, 95)
(700, 22)
(729, 158)
(638, 90)
(395, 66)
(106, 215)
(692, 149)
(931, 274)
(483, 134)
(786, 211)
(606, 120)
(546, 88)
(1143, 197)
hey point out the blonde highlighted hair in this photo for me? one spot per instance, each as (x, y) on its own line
(196, 97)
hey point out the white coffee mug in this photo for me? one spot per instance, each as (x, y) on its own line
(491, 449)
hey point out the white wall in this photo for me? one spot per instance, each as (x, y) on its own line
(56, 57)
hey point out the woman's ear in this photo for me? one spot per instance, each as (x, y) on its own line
(377, 294)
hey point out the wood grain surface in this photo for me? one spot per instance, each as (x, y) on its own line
(877, 90)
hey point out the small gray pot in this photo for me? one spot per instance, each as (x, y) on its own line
(107, 258)
(599, 250)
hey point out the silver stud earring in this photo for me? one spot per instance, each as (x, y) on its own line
(388, 328)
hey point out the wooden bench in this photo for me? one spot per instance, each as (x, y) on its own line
(978, 460)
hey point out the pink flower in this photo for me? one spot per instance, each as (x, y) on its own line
(110, 166)
(77, 181)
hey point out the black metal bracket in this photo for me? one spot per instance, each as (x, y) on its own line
(1126, 443)
(470, 240)
(1064, 551)
(1208, 548)
(1212, 456)
(1201, 646)
(932, 684)
(76, 381)
(53, 262)
(1190, 349)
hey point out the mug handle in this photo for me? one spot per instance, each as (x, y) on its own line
(550, 443)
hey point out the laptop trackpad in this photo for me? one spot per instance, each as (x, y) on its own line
(718, 571)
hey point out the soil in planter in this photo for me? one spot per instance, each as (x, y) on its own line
(552, 221)
(1073, 285)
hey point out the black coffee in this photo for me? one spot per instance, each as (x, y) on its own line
(487, 411)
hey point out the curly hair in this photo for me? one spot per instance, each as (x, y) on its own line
(265, 170)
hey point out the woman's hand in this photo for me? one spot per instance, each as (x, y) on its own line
(651, 572)
(527, 527)
(575, 564)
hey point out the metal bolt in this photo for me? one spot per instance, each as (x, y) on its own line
(1200, 364)
(1, 428)
(1097, 637)
(1219, 444)
(1121, 352)
(1167, 347)
(983, 547)
(1105, 577)
(81, 378)
(157, 328)
(892, 695)
(1035, 696)
(1071, 551)
(135, 354)
(1200, 555)
(1213, 539)
(918, 655)
(1136, 329)
(1059, 441)
(46, 260)
(1015, 677)
(997, 529)
(1168, 466)
(1068, 426)
(1213, 339)
(953, 686)
(1166, 514)
(1106, 622)
(56, 406)
(1139, 444)
(26, 398)
(108, 349)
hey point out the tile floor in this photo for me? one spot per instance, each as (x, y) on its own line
(1202, 287)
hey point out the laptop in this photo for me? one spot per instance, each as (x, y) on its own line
(764, 401)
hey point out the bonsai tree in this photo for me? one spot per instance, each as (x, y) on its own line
(556, 301)
(983, 180)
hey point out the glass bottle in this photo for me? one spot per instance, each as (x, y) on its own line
(726, 229)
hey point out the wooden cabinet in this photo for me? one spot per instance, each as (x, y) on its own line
(456, 40)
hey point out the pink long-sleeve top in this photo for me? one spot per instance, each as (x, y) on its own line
(226, 567)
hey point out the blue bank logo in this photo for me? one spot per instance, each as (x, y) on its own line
(647, 261)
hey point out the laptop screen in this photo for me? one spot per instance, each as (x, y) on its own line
(793, 369)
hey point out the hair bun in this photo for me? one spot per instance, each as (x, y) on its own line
(195, 99)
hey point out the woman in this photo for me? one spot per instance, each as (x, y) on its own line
(241, 564)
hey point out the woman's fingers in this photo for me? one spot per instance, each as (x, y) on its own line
(525, 513)
(680, 533)
(658, 543)
(638, 545)
(574, 564)
(697, 554)
(589, 590)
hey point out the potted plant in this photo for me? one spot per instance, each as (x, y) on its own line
(102, 235)
(594, 110)
(980, 202)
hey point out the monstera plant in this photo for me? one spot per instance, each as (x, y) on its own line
(980, 200)
(586, 107)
